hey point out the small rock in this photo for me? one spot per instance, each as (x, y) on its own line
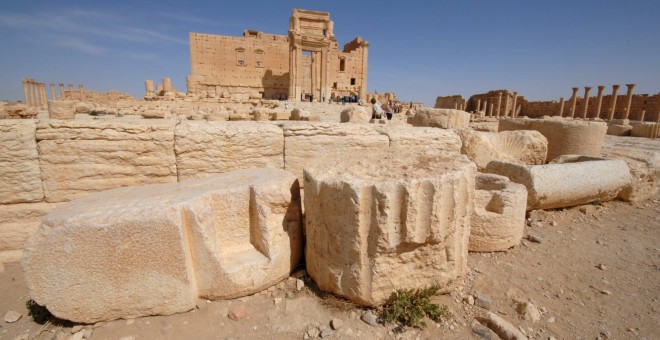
(551, 319)
(88, 333)
(325, 331)
(483, 301)
(553, 224)
(76, 329)
(129, 322)
(300, 284)
(77, 336)
(277, 301)
(370, 318)
(12, 316)
(127, 338)
(601, 266)
(534, 239)
(606, 292)
(313, 332)
(336, 323)
(469, 300)
(528, 311)
(605, 334)
(482, 332)
(237, 313)
(587, 209)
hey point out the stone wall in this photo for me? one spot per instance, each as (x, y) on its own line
(53, 161)
(640, 102)
(450, 102)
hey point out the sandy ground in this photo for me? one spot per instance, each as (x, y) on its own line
(594, 274)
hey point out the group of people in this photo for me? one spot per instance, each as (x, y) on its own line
(377, 110)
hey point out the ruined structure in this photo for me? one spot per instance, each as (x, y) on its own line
(305, 65)
(35, 94)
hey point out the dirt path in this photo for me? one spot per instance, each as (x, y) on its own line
(594, 274)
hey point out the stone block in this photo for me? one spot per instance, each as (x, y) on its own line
(408, 138)
(305, 144)
(643, 158)
(82, 156)
(61, 109)
(579, 181)
(619, 130)
(498, 220)
(522, 146)
(565, 136)
(17, 223)
(20, 175)
(299, 114)
(152, 250)
(355, 114)
(280, 115)
(645, 129)
(441, 118)
(206, 148)
(378, 221)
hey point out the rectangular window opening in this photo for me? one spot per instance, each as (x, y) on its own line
(352, 81)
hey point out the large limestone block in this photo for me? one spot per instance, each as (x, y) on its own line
(643, 158)
(150, 250)
(441, 118)
(21, 111)
(205, 148)
(565, 136)
(17, 223)
(523, 147)
(299, 114)
(20, 175)
(61, 109)
(498, 220)
(408, 138)
(355, 114)
(78, 157)
(645, 129)
(305, 144)
(558, 185)
(381, 221)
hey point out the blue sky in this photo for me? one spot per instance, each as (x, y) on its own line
(419, 49)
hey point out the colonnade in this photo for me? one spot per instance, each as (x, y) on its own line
(35, 94)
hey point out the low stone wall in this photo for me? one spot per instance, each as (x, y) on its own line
(59, 160)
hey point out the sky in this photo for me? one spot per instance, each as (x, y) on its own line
(418, 49)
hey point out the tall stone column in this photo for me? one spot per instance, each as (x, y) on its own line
(478, 106)
(599, 101)
(62, 97)
(33, 93)
(506, 105)
(82, 92)
(71, 91)
(575, 91)
(44, 96)
(25, 91)
(149, 87)
(36, 95)
(499, 103)
(586, 101)
(615, 88)
(515, 100)
(561, 106)
(629, 97)
(490, 114)
(641, 117)
(52, 91)
(492, 108)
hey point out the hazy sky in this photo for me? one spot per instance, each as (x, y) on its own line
(418, 49)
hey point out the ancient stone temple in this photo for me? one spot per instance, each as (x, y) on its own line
(305, 65)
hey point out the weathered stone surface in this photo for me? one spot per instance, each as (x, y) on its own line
(149, 250)
(206, 148)
(17, 223)
(79, 157)
(82, 107)
(156, 114)
(523, 147)
(20, 175)
(581, 181)
(299, 114)
(307, 143)
(355, 114)
(565, 136)
(498, 220)
(643, 158)
(20, 111)
(381, 221)
(409, 138)
(504, 329)
(619, 130)
(61, 109)
(645, 129)
(441, 118)
(260, 113)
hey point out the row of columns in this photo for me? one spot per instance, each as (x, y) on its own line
(492, 109)
(599, 102)
(35, 93)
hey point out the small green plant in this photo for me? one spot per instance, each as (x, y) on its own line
(409, 307)
(39, 313)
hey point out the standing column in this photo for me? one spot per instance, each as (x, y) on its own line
(586, 101)
(499, 103)
(561, 106)
(515, 99)
(42, 93)
(82, 92)
(492, 108)
(62, 91)
(641, 118)
(629, 95)
(25, 91)
(36, 95)
(52, 91)
(657, 115)
(599, 100)
(490, 114)
(575, 91)
(506, 104)
(478, 106)
(615, 88)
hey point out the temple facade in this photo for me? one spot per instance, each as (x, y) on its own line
(305, 65)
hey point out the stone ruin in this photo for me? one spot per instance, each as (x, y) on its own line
(155, 203)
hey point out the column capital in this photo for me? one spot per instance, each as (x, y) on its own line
(601, 87)
(616, 86)
(587, 88)
(631, 85)
(575, 89)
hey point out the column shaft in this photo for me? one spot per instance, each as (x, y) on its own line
(629, 97)
(575, 91)
(586, 101)
(615, 88)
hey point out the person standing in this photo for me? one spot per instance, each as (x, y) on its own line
(390, 109)
(377, 111)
